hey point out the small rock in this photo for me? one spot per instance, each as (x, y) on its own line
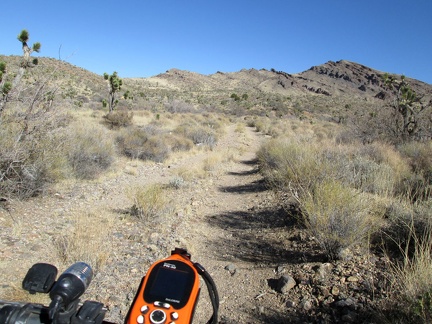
(323, 271)
(348, 302)
(324, 291)
(335, 291)
(231, 268)
(306, 304)
(285, 284)
(352, 279)
(290, 304)
(345, 254)
(280, 269)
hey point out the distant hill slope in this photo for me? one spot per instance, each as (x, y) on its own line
(339, 78)
(323, 85)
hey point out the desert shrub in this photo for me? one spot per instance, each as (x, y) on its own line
(332, 185)
(301, 163)
(119, 118)
(338, 217)
(177, 143)
(370, 176)
(404, 222)
(178, 106)
(177, 182)
(293, 166)
(419, 184)
(198, 134)
(90, 151)
(155, 149)
(29, 163)
(131, 141)
(136, 143)
(263, 125)
(149, 203)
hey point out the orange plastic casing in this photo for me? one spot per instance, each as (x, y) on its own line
(150, 311)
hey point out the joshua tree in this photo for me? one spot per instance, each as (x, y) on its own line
(115, 84)
(7, 86)
(407, 107)
(23, 37)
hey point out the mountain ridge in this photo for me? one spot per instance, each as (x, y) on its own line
(334, 82)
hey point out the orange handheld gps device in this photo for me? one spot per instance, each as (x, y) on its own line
(169, 292)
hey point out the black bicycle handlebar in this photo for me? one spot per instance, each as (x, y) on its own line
(89, 312)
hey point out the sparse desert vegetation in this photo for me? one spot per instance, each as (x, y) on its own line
(338, 174)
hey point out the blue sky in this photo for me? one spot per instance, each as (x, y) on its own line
(140, 38)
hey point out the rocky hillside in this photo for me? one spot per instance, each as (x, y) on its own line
(341, 78)
(332, 83)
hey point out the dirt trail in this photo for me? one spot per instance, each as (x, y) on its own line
(230, 233)
(226, 219)
(215, 219)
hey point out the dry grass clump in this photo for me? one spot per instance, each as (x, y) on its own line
(419, 155)
(87, 240)
(293, 165)
(191, 173)
(240, 128)
(339, 217)
(150, 203)
(119, 118)
(336, 187)
(212, 162)
(90, 150)
(412, 284)
(177, 143)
